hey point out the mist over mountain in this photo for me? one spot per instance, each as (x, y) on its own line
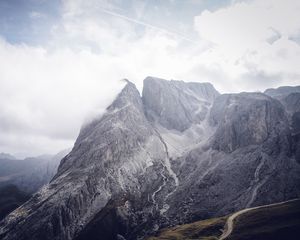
(7, 156)
(181, 152)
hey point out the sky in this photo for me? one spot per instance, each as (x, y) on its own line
(61, 61)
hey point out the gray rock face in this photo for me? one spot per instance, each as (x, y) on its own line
(282, 91)
(175, 104)
(248, 161)
(118, 154)
(291, 103)
(290, 99)
(178, 154)
(246, 119)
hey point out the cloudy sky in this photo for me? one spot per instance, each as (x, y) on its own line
(61, 61)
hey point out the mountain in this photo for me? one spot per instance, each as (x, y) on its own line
(182, 152)
(282, 91)
(6, 156)
(290, 99)
(176, 104)
(268, 222)
(30, 174)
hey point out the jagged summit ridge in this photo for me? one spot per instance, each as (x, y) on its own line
(176, 104)
(128, 98)
(282, 91)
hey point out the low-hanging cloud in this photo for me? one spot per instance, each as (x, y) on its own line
(46, 96)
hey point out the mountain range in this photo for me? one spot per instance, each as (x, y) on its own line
(180, 153)
(29, 174)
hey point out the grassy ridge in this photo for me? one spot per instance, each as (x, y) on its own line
(269, 223)
(279, 222)
(205, 230)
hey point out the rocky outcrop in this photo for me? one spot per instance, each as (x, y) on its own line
(282, 91)
(176, 104)
(290, 98)
(291, 103)
(247, 119)
(247, 161)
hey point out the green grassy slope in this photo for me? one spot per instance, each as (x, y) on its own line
(269, 223)
(279, 222)
(205, 230)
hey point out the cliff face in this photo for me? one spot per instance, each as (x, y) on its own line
(247, 161)
(247, 119)
(178, 153)
(290, 99)
(176, 104)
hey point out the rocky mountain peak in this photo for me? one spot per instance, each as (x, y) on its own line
(123, 115)
(282, 91)
(290, 98)
(128, 95)
(127, 98)
(176, 104)
(246, 118)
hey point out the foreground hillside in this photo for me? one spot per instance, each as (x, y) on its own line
(209, 229)
(275, 222)
(268, 222)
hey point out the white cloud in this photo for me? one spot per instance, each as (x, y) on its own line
(254, 36)
(246, 24)
(49, 94)
(46, 92)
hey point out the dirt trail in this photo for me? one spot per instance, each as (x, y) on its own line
(229, 223)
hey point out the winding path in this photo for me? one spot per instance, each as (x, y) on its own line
(229, 223)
